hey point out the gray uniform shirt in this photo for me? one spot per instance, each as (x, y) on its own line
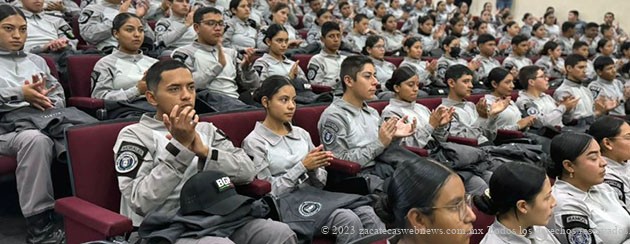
(351, 133)
(566, 44)
(516, 61)
(260, 42)
(611, 89)
(544, 107)
(115, 76)
(43, 28)
(355, 41)
(420, 66)
(375, 24)
(172, 33)
(278, 159)
(538, 44)
(618, 177)
(384, 71)
(553, 71)
(424, 131)
(152, 169)
(443, 63)
(467, 123)
(17, 67)
(95, 24)
(508, 119)
(208, 73)
(499, 234)
(314, 34)
(584, 108)
(267, 66)
(486, 65)
(428, 43)
(595, 216)
(240, 34)
(393, 40)
(323, 69)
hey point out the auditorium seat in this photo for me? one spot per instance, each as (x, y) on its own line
(480, 226)
(304, 59)
(76, 31)
(79, 81)
(394, 60)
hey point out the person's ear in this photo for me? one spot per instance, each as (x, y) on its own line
(522, 207)
(151, 99)
(494, 84)
(396, 88)
(348, 80)
(417, 220)
(265, 102)
(196, 27)
(451, 83)
(115, 34)
(607, 143)
(568, 166)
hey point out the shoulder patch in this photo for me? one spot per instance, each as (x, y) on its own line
(252, 23)
(618, 187)
(220, 132)
(578, 230)
(180, 56)
(595, 91)
(329, 132)
(94, 78)
(258, 69)
(309, 208)
(312, 72)
(530, 108)
(129, 157)
(85, 16)
(161, 27)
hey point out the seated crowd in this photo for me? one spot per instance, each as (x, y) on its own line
(563, 89)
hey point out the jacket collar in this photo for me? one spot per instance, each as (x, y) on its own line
(508, 236)
(572, 190)
(446, 101)
(571, 83)
(325, 54)
(148, 120)
(204, 47)
(12, 54)
(400, 103)
(349, 107)
(270, 59)
(272, 137)
(129, 57)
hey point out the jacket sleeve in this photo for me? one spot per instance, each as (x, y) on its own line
(316, 74)
(11, 94)
(572, 222)
(311, 37)
(201, 75)
(333, 132)
(227, 158)
(551, 119)
(168, 33)
(145, 190)
(261, 68)
(246, 75)
(281, 183)
(228, 34)
(94, 28)
(103, 84)
(260, 39)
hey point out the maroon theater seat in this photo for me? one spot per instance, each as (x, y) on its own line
(79, 80)
(236, 125)
(304, 59)
(480, 226)
(7, 165)
(394, 60)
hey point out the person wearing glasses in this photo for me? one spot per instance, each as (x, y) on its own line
(613, 136)
(274, 62)
(217, 69)
(587, 211)
(375, 49)
(520, 198)
(427, 195)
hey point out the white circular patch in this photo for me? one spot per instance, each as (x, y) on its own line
(126, 162)
(532, 111)
(160, 28)
(308, 208)
(579, 236)
(311, 74)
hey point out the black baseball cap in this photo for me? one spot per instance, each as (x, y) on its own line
(210, 192)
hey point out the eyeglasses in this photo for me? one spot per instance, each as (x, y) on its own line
(379, 47)
(461, 207)
(213, 23)
(542, 76)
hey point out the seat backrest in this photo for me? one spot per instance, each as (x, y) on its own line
(50, 62)
(307, 118)
(379, 105)
(482, 223)
(430, 103)
(91, 161)
(79, 72)
(394, 60)
(474, 98)
(236, 125)
(304, 59)
(76, 31)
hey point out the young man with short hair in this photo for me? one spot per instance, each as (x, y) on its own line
(567, 39)
(533, 100)
(591, 37)
(216, 69)
(574, 18)
(355, 40)
(353, 131)
(156, 156)
(487, 45)
(323, 68)
(517, 59)
(607, 85)
(581, 48)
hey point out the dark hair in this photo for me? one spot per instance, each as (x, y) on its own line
(478, 24)
(234, 4)
(609, 13)
(410, 41)
(447, 41)
(328, 27)
(506, 15)
(527, 73)
(467, 5)
(358, 18)
(453, 21)
(198, 16)
(456, 71)
(573, 59)
(416, 185)
(525, 16)
(591, 25)
(482, 39)
(351, 66)
(273, 30)
(510, 183)
(567, 146)
(547, 15)
(508, 25)
(7, 10)
(518, 39)
(550, 45)
(154, 73)
(575, 12)
(579, 44)
(378, 5)
(567, 26)
(370, 42)
(624, 46)
(121, 19)
(605, 127)
(384, 20)
(277, 7)
(319, 14)
(536, 27)
(400, 75)
(601, 62)
(604, 27)
(424, 19)
(497, 75)
(601, 43)
(270, 87)
(343, 4)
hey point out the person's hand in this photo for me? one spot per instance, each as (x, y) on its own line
(165, 6)
(441, 116)
(294, 70)
(55, 45)
(440, 32)
(142, 86)
(504, 46)
(498, 106)
(220, 55)
(526, 122)
(189, 17)
(405, 128)
(604, 104)
(56, 6)
(142, 7)
(387, 130)
(124, 7)
(474, 65)
(317, 158)
(248, 57)
(36, 93)
(569, 102)
(432, 67)
(181, 124)
(295, 43)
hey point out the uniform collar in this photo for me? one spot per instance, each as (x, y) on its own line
(571, 83)
(129, 57)
(12, 54)
(176, 18)
(572, 190)
(272, 137)
(349, 107)
(270, 58)
(325, 54)
(204, 47)
(525, 94)
(603, 81)
(237, 20)
(403, 104)
(516, 57)
(30, 14)
(148, 120)
(111, 5)
(450, 102)
(378, 62)
(482, 58)
(508, 236)
(412, 60)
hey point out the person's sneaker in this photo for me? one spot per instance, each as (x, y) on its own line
(41, 229)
